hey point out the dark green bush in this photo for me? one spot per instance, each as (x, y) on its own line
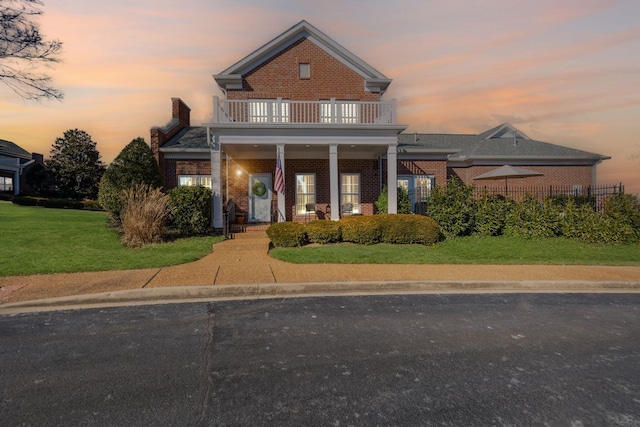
(491, 214)
(92, 205)
(562, 200)
(63, 204)
(323, 231)
(287, 234)
(134, 165)
(190, 209)
(6, 197)
(407, 229)
(360, 229)
(28, 201)
(453, 208)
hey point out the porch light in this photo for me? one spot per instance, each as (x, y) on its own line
(239, 172)
(328, 210)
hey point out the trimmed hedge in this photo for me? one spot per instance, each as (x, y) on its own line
(364, 230)
(323, 231)
(28, 201)
(287, 234)
(407, 229)
(62, 204)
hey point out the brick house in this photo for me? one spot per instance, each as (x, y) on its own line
(305, 103)
(14, 163)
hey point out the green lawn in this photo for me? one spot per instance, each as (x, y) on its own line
(37, 240)
(468, 250)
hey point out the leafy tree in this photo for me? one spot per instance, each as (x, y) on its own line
(38, 178)
(22, 48)
(134, 165)
(75, 165)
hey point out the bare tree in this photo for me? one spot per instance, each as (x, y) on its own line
(22, 49)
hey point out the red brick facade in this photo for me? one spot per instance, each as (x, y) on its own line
(561, 176)
(279, 77)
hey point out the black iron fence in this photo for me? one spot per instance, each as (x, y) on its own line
(594, 195)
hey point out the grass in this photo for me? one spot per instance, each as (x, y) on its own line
(38, 240)
(468, 250)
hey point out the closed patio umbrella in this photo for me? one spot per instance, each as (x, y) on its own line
(507, 172)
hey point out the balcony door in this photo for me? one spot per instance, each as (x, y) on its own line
(260, 197)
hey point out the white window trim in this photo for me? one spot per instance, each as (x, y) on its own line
(356, 209)
(197, 178)
(300, 211)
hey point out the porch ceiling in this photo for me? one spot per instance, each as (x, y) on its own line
(303, 151)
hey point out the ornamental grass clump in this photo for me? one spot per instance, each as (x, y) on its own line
(144, 215)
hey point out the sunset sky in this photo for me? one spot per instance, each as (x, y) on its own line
(562, 71)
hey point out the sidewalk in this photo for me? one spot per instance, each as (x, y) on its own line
(241, 267)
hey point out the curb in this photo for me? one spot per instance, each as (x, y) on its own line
(289, 290)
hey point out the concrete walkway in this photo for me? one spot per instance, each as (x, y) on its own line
(241, 267)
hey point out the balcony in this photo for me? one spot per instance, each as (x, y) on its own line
(282, 111)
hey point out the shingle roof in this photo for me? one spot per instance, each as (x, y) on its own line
(470, 148)
(190, 138)
(458, 147)
(8, 148)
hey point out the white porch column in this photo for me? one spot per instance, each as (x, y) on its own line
(392, 179)
(334, 182)
(282, 205)
(216, 181)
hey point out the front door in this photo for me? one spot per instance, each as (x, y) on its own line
(260, 197)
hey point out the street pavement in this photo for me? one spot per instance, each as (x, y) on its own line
(242, 268)
(381, 360)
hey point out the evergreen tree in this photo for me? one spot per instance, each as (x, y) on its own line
(75, 165)
(134, 165)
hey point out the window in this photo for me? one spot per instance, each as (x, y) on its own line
(194, 180)
(350, 197)
(339, 112)
(268, 111)
(6, 183)
(304, 71)
(305, 191)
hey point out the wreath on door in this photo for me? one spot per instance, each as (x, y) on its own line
(259, 189)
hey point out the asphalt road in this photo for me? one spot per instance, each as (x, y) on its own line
(446, 360)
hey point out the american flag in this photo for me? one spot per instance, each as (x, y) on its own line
(279, 183)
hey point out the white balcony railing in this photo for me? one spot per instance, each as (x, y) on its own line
(279, 111)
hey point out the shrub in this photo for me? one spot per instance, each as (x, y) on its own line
(144, 215)
(623, 211)
(491, 214)
(92, 205)
(28, 201)
(453, 208)
(134, 165)
(360, 229)
(530, 218)
(62, 204)
(404, 202)
(6, 197)
(323, 231)
(190, 209)
(287, 234)
(407, 229)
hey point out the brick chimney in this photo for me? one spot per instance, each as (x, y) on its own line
(180, 118)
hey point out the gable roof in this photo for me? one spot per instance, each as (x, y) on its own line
(500, 145)
(231, 78)
(8, 148)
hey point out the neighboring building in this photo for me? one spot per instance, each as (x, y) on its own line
(305, 102)
(13, 163)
